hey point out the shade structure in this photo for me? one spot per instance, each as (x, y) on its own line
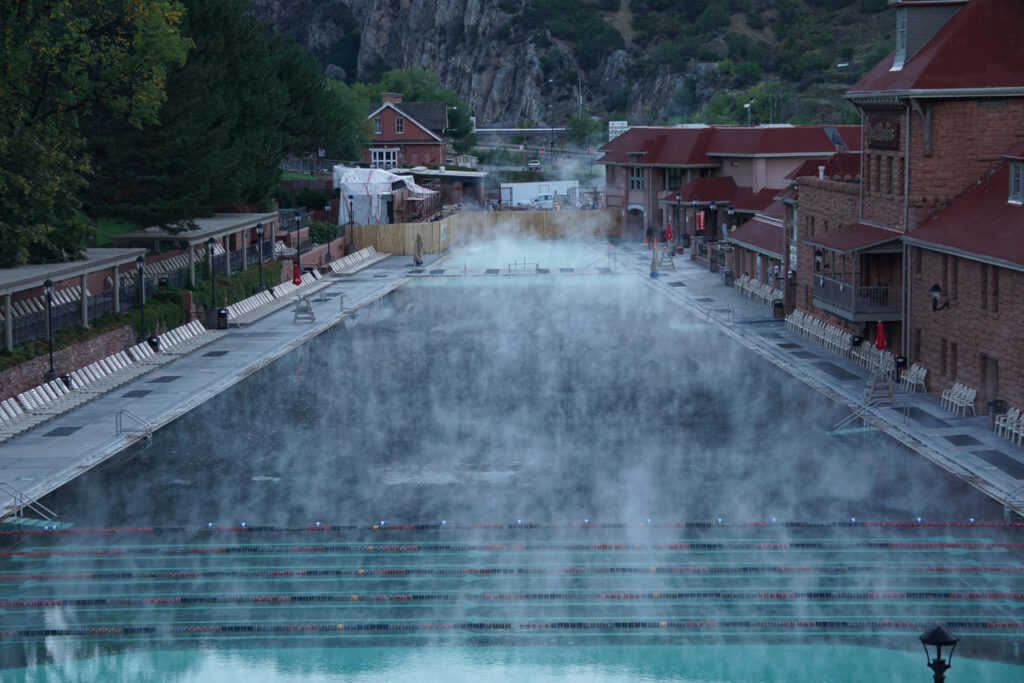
(880, 336)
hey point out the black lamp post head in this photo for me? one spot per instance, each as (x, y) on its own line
(140, 262)
(938, 638)
(259, 230)
(935, 291)
(210, 242)
(48, 286)
(679, 197)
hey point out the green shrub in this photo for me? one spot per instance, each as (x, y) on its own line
(284, 198)
(310, 199)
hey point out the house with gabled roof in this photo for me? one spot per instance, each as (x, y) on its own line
(406, 134)
(653, 174)
(932, 244)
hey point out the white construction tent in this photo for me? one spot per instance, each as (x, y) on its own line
(371, 190)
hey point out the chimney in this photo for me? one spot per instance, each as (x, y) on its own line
(392, 97)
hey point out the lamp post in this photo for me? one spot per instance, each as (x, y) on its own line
(213, 276)
(351, 224)
(259, 240)
(298, 242)
(140, 265)
(713, 207)
(696, 221)
(938, 638)
(732, 217)
(679, 205)
(48, 288)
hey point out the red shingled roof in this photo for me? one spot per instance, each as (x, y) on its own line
(980, 222)
(760, 235)
(717, 189)
(980, 47)
(749, 202)
(1015, 152)
(776, 140)
(662, 146)
(840, 164)
(852, 237)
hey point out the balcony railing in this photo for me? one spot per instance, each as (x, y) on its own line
(856, 302)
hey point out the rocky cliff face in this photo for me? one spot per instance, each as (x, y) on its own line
(477, 49)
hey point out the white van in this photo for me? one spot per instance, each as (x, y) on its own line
(543, 201)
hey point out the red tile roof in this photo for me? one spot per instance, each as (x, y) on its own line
(1015, 152)
(661, 145)
(716, 189)
(760, 235)
(750, 202)
(778, 140)
(981, 222)
(852, 237)
(840, 164)
(980, 47)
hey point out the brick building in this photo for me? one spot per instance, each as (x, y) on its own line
(936, 216)
(406, 133)
(653, 174)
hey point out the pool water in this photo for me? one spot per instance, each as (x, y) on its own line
(546, 442)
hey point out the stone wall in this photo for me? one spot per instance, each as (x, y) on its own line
(30, 374)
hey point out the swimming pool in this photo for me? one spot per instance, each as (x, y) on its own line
(546, 439)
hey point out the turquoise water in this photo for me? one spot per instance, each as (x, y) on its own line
(563, 664)
(527, 253)
(468, 400)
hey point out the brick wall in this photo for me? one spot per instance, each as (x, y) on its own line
(824, 205)
(976, 340)
(30, 374)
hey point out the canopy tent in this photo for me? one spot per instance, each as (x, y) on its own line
(367, 187)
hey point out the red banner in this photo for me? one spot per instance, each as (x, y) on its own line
(700, 221)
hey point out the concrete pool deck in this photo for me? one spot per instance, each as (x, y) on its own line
(47, 457)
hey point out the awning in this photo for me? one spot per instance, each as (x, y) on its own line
(853, 237)
(761, 236)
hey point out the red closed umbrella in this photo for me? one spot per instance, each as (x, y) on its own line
(880, 336)
(297, 277)
(668, 231)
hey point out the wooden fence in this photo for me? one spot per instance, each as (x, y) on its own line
(400, 238)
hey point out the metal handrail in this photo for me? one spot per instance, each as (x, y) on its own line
(119, 422)
(22, 501)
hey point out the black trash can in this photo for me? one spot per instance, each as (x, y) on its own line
(222, 318)
(729, 277)
(154, 343)
(901, 362)
(996, 407)
(686, 240)
(777, 308)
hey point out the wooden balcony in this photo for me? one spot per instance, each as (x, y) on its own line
(855, 302)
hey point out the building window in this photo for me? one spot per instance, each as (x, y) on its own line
(673, 178)
(994, 298)
(399, 125)
(384, 157)
(1017, 182)
(378, 126)
(636, 178)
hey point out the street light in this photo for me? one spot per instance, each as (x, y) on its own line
(938, 638)
(351, 224)
(679, 202)
(213, 279)
(259, 239)
(48, 288)
(298, 242)
(140, 264)
(696, 220)
(713, 207)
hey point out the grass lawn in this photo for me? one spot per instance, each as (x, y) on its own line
(296, 175)
(109, 227)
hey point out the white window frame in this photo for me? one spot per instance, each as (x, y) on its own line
(384, 157)
(399, 125)
(1017, 182)
(378, 126)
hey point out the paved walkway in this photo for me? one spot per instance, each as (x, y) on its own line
(53, 454)
(964, 446)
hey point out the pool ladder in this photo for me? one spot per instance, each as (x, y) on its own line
(21, 502)
(147, 429)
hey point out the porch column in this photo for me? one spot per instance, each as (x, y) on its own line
(191, 264)
(117, 291)
(245, 257)
(8, 330)
(85, 302)
(227, 254)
